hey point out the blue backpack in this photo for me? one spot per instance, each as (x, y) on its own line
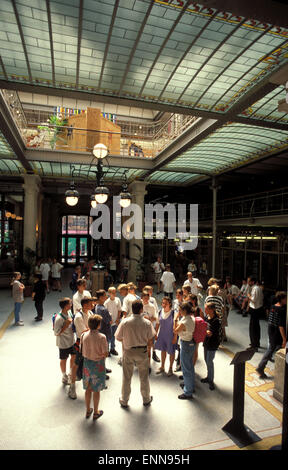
(54, 318)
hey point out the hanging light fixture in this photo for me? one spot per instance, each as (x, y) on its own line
(101, 194)
(100, 151)
(93, 201)
(125, 197)
(72, 195)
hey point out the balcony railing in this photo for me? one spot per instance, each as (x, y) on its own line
(257, 205)
(133, 138)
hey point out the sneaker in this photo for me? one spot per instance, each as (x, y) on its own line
(160, 371)
(65, 379)
(170, 373)
(19, 323)
(114, 352)
(108, 371)
(72, 392)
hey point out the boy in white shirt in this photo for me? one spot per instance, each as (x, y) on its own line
(168, 281)
(128, 300)
(79, 295)
(65, 340)
(149, 312)
(152, 299)
(113, 305)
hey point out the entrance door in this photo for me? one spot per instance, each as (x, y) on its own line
(75, 239)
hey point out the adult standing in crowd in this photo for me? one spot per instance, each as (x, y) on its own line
(45, 270)
(166, 339)
(276, 331)
(38, 295)
(113, 266)
(158, 268)
(135, 333)
(192, 267)
(168, 281)
(18, 297)
(75, 276)
(255, 311)
(56, 269)
(194, 283)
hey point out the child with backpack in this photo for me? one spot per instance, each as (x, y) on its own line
(211, 342)
(65, 340)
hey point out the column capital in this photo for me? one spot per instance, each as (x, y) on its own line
(138, 187)
(32, 183)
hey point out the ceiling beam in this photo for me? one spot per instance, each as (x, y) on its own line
(135, 45)
(80, 18)
(116, 5)
(22, 39)
(84, 158)
(51, 41)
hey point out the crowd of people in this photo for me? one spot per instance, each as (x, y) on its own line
(87, 327)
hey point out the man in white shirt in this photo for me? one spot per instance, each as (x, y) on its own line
(79, 295)
(255, 310)
(113, 305)
(56, 269)
(194, 283)
(168, 281)
(232, 293)
(45, 270)
(158, 267)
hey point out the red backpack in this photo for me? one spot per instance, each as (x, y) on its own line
(200, 330)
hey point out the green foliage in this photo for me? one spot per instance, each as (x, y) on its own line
(55, 131)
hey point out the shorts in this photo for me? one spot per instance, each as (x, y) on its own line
(64, 353)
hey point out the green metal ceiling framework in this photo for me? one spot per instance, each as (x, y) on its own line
(188, 57)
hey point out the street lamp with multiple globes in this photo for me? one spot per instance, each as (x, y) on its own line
(101, 193)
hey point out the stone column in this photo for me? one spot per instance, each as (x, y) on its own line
(31, 191)
(138, 191)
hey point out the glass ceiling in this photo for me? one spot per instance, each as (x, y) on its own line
(267, 108)
(146, 50)
(230, 146)
(5, 149)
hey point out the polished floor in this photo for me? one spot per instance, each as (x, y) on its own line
(37, 414)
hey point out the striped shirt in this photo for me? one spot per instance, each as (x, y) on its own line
(218, 301)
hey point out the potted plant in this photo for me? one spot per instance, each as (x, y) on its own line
(58, 123)
(28, 271)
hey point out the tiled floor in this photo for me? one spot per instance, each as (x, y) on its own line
(36, 412)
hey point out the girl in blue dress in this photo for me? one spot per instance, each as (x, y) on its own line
(166, 339)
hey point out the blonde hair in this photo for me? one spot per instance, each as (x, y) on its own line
(111, 289)
(213, 290)
(122, 286)
(131, 286)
